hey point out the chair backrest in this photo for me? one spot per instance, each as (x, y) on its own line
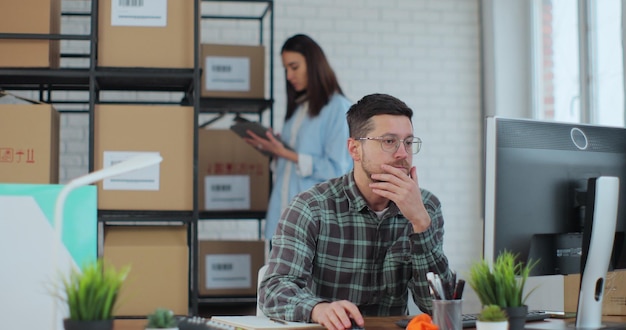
(260, 276)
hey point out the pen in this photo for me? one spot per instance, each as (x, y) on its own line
(458, 289)
(273, 319)
(433, 290)
(439, 286)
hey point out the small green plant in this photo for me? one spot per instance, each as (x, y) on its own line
(91, 293)
(161, 318)
(492, 313)
(502, 284)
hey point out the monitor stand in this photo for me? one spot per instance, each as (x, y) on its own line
(599, 232)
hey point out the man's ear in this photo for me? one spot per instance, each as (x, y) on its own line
(354, 148)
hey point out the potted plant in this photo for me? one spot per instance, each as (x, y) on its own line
(91, 295)
(492, 317)
(162, 318)
(502, 284)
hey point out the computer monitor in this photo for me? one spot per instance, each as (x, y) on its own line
(536, 180)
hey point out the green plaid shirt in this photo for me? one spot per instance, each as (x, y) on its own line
(330, 246)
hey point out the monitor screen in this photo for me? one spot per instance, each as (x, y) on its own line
(536, 175)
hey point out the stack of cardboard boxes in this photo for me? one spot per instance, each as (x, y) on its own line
(232, 176)
(146, 34)
(130, 36)
(159, 256)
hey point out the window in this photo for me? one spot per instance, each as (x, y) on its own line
(579, 73)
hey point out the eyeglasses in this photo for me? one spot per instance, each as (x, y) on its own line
(391, 143)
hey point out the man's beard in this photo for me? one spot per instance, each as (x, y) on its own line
(369, 168)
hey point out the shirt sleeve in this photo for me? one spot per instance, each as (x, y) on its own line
(305, 165)
(334, 159)
(428, 256)
(285, 291)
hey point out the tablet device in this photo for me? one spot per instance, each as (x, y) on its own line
(241, 127)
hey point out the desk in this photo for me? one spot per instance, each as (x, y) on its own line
(569, 324)
(371, 323)
(388, 323)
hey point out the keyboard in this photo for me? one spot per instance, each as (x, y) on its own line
(469, 320)
(201, 323)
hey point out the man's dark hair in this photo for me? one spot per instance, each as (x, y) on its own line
(360, 113)
(322, 82)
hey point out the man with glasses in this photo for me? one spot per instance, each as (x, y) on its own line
(356, 245)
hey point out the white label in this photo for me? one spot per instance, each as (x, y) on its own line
(139, 13)
(227, 73)
(142, 179)
(227, 192)
(228, 271)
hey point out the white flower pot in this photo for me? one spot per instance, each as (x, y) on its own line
(484, 325)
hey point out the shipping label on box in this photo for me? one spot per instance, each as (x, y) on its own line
(142, 179)
(227, 73)
(228, 271)
(227, 192)
(139, 13)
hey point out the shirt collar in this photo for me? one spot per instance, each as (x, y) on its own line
(357, 202)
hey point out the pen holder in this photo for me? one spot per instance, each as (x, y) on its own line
(447, 314)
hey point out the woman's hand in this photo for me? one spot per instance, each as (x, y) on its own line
(268, 143)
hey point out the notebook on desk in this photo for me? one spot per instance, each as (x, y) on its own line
(250, 322)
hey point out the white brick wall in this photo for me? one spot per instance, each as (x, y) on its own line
(425, 52)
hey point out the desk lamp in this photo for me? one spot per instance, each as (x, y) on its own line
(134, 163)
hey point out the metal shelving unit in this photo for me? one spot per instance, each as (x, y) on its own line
(90, 81)
(222, 106)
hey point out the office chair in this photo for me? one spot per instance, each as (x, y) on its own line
(260, 276)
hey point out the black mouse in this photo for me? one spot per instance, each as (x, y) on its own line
(355, 326)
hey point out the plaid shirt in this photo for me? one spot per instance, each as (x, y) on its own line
(330, 246)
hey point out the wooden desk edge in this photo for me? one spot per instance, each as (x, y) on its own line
(371, 323)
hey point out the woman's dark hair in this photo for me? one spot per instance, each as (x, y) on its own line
(322, 82)
(359, 115)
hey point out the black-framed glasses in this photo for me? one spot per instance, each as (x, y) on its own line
(391, 143)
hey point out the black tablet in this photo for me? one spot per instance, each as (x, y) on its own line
(242, 126)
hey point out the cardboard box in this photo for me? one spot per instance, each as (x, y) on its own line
(614, 300)
(159, 261)
(560, 293)
(30, 16)
(146, 34)
(229, 267)
(236, 71)
(237, 174)
(29, 143)
(123, 130)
